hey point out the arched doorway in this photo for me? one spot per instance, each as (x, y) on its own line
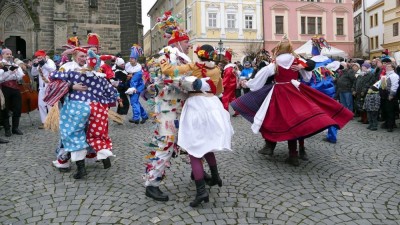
(16, 43)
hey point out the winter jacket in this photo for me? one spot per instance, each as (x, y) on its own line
(345, 81)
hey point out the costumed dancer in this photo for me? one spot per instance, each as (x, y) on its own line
(291, 110)
(42, 67)
(83, 118)
(121, 76)
(229, 81)
(10, 76)
(322, 78)
(205, 125)
(57, 91)
(136, 85)
(168, 102)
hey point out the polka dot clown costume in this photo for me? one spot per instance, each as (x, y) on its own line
(84, 116)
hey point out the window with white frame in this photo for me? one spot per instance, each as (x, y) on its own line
(339, 1)
(248, 21)
(279, 25)
(311, 25)
(212, 19)
(339, 26)
(231, 20)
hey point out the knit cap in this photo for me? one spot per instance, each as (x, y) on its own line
(366, 65)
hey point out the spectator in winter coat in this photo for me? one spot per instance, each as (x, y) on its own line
(344, 85)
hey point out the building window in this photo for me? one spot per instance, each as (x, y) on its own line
(231, 19)
(371, 43)
(371, 21)
(212, 19)
(376, 19)
(248, 22)
(397, 3)
(310, 0)
(339, 1)
(311, 25)
(395, 29)
(339, 26)
(279, 24)
(319, 25)
(377, 42)
(92, 3)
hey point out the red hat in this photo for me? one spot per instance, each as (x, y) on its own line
(40, 53)
(386, 52)
(178, 36)
(228, 54)
(93, 40)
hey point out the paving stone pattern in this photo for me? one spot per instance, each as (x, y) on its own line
(355, 181)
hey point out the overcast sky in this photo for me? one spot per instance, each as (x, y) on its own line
(146, 6)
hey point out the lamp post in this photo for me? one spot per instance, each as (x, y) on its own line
(220, 46)
(74, 29)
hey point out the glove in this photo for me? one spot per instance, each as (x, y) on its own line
(5, 69)
(296, 83)
(42, 62)
(12, 68)
(130, 91)
(35, 64)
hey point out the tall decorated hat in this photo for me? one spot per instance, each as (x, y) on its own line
(318, 43)
(136, 51)
(72, 42)
(170, 25)
(93, 40)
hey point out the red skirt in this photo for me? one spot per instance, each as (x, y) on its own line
(294, 114)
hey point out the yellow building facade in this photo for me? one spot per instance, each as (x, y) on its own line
(391, 20)
(237, 23)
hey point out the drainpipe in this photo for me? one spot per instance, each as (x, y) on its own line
(365, 30)
(186, 24)
(262, 22)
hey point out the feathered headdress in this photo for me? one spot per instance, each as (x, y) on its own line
(168, 23)
(318, 43)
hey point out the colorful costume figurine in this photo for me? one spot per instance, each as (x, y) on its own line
(291, 110)
(84, 115)
(136, 85)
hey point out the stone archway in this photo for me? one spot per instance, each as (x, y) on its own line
(17, 26)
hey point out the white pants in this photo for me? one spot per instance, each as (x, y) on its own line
(43, 107)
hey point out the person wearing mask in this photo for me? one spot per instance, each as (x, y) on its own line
(123, 84)
(136, 85)
(42, 67)
(205, 125)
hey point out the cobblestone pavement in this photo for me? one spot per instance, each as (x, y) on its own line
(355, 181)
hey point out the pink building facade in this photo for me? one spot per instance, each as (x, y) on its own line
(303, 19)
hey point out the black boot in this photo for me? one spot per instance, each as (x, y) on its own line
(7, 127)
(81, 169)
(7, 132)
(202, 194)
(2, 141)
(106, 163)
(303, 154)
(156, 194)
(207, 176)
(15, 125)
(215, 179)
(268, 148)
